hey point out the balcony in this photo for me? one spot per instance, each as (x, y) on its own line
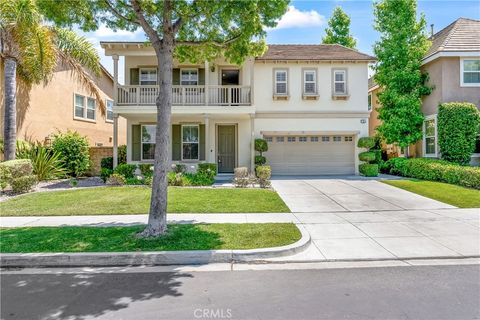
(186, 95)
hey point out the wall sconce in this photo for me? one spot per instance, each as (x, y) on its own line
(363, 121)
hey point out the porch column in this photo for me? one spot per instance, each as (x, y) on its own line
(115, 78)
(207, 82)
(208, 156)
(252, 143)
(115, 140)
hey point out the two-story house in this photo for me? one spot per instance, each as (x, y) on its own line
(308, 101)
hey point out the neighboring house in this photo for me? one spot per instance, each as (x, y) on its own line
(308, 101)
(453, 66)
(62, 104)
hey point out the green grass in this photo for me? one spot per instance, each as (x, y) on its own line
(448, 193)
(136, 200)
(122, 239)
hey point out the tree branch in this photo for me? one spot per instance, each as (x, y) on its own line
(151, 33)
(119, 15)
(214, 43)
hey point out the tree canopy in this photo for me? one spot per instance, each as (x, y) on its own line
(338, 30)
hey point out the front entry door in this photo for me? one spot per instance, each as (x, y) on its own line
(226, 148)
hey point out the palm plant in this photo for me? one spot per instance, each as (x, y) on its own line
(46, 163)
(32, 50)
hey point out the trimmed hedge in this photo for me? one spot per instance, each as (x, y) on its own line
(368, 169)
(458, 125)
(434, 170)
(366, 142)
(367, 156)
(18, 174)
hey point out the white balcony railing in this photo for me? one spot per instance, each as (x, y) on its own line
(186, 95)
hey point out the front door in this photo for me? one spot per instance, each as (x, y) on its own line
(226, 148)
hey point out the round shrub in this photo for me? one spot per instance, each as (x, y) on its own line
(368, 169)
(116, 180)
(367, 156)
(122, 154)
(126, 170)
(73, 150)
(263, 173)
(261, 145)
(107, 163)
(260, 160)
(23, 184)
(210, 168)
(17, 168)
(146, 169)
(366, 142)
(105, 173)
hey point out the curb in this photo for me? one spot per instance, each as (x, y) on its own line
(109, 259)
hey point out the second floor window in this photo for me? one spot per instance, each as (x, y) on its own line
(190, 141)
(470, 72)
(84, 107)
(430, 137)
(309, 82)
(339, 82)
(189, 77)
(148, 77)
(281, 82)
(109, 110)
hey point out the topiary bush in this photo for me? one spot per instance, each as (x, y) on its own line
(263, 173)
(368, 168)
(126, 170)
(73, 150)
(261, 146)
(260, 160)
(458, 124)
(367, 156)
(366, 142)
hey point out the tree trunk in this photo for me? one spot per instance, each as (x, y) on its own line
(10, 119)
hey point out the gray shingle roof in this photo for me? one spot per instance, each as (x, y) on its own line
(312, 52)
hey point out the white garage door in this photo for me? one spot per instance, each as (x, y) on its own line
(311, 155)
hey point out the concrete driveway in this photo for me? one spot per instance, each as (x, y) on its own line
(347, 193)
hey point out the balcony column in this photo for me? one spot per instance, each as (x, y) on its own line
(115, 140)
(252, 143)
(251, 82)
(208, 147)
(207, 82)
(115, 78)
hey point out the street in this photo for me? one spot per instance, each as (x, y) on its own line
(414, 292)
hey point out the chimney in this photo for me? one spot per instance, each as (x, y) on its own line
(431, 30)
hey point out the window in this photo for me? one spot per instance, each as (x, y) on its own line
(281, 82)
(477, 144)
(337, 139)
(302, 139)
(325, 139)
(189, 77)
(85, 108)
(280, 139)
(347, 139)
(291, 139)
(109, 110)
(148, 142)
(268, 139)
(190, 136)
(313, 139)
(369, 102)
(339, 82)
(470, 72)
(430, 137)
(309, 82)
(148, 77)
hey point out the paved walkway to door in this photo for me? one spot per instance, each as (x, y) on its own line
(349, 193)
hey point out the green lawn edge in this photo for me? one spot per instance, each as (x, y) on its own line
(454, 195)
(123, 239)
(136, 200)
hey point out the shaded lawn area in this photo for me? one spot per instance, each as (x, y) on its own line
(448, 193)
(122, 239)
(136, 200)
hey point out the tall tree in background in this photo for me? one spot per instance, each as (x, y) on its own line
(192, 31)
(338, 30)
(31, 51)
(402, 45)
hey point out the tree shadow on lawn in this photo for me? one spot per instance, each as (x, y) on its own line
(83, 295)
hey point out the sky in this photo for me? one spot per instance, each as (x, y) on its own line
(305, 23)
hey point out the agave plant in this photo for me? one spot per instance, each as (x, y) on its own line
(46, 163)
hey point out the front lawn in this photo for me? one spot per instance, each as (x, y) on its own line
(136, 200)
(448, 193)
(123, 239)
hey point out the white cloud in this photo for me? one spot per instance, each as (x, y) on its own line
(295, 18)
(105, 32)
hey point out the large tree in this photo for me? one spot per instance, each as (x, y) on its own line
(403, 43)
(338, 30)
(31, 50)
(192, 31)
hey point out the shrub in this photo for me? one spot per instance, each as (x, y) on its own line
(179, 168)
(458, 125)
(201, 178)
(368, 169)
(107, 163)
(210, 168)
(73, 182)
(261, 145)
(4, 177)
(148, 181)
(105, 173)
(260, 160)
(241, 178)
(146, 169)
(134, 181)
(46, 163)
(116, 180)
(122, 154)
(394, 166)
(366, 142)
(436, 170)
(18, 168)
(126, 170)
(73, 150)
(367, 156)
(263, 173)
(177, 179)
(23, 184)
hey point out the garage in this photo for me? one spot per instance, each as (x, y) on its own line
(311, 155)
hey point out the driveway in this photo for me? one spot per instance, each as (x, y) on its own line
(347, 193)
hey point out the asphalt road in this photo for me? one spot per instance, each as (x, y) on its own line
(426, 292)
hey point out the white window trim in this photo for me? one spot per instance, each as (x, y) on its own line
(189, 69)
(198, 142)
(106, 113)
(140, 76)
(430, 155)
(275, 93)
(335, 71)
(85, 108)
(315, 82)
(142, 143)
(462, 84)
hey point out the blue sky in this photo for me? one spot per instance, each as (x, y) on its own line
(305, 22)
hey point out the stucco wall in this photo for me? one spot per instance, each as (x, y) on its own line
(374, 122)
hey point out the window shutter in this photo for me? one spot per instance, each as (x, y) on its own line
(201, 77)
(176, 76)
(136, 142)
(176, 142)
(134, 77)
(202, 142)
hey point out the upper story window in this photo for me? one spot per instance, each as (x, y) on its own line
(309, 82)
(148, 76)
(470, 72)
(84, 107)
(339, 82)
(430, 136)
(190, 141)
(189, 77)
(109, 106)
(148, 142)
(281, 82)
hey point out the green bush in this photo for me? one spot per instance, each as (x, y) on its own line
(146, 169)
(368, 169)
(208, 167)
(17, 174)
(4, 177)
(23, 184)
(179, 168)
(105, 173)
(435, 170)
(263, 173)
(148, 181)
(107, 163)
(261, 145)
(46, 163)
(122, 154)
(201, 178)
(367, 156)
(366, 142)
(126, 170)
(73, 150)
(116, 180)
(458, 125)
(260, 160)
(177, 179)
(134, 181)
(17, 168)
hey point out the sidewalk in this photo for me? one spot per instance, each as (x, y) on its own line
(336, 236)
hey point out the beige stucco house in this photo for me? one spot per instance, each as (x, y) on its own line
(63, 104)
(453, 66)
(308, 101)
